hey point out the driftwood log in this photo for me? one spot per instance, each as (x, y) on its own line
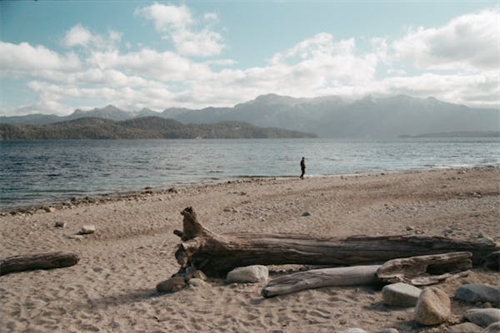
(216, 254)
(421, 270)
(37, 261)
(425, 270)
(325, 277)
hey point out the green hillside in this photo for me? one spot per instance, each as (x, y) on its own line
(141, 128)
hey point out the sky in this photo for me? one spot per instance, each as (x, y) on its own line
(58, 56)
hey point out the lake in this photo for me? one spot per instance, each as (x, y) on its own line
(36, 172)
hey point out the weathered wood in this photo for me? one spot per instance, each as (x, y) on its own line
(326, 277)
(217, 254)
(421, 270)
(37, 261)
(439, 266)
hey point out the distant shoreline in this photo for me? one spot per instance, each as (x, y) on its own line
(464, 134)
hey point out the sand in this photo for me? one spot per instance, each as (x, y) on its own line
(112, 288)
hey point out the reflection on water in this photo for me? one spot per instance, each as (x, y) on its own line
(46, 171)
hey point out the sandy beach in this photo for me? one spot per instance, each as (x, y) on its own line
(112, 288)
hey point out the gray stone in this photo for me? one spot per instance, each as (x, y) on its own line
(353, 330)
(173, 284)
(388, 330)
(473, 293)
(464, 328)
(195, 282)
(248, 274)
(401, 294)
(60, 224)
(492, 328)
(433, 307)
(483, 317)
(87, 229)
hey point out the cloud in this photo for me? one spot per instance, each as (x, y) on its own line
(167, 66)
(166, 17)
(177, 24)
(82, 37)
(23, 59)
(457, 62)
(467, 42)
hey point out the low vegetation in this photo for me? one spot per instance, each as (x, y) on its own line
(141, 128)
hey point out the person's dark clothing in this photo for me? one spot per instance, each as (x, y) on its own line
(303, 168)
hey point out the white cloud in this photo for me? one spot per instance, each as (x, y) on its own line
(82, 37)
(166, 17)
(166, 66)
(317, 66)
(24, 58)
(77, 36)
(178, 24)
(467, 42)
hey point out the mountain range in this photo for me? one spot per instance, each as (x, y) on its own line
(141, 128)
(331, 116)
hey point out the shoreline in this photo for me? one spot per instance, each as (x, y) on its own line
(72, 202)
(112, 288)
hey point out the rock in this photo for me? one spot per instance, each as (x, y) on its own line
(87, 229)
(473, 293)
(195, 282)
(388, 330)
(306, 214)
(77, 237)
(401, 294)
(50, 209)
(492, 328)
(249, 274)
(464, 328)
(353, 330)
(199, 275)
(60, 224)
(173, 284)
(483, 317)
(433, 307)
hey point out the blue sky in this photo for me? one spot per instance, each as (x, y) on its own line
(56, 56)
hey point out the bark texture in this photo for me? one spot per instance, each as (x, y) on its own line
(37, 261)
(217, 254)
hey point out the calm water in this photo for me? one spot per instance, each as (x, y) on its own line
(35, 172)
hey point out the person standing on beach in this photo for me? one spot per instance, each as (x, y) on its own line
(303, 167)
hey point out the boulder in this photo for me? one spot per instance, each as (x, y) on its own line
(465, 328)
(87, 229)
(492, 328)
(401, 294)
(173, 284)
(483, 317)
(433, 307)
(473, 293)
(248, 274)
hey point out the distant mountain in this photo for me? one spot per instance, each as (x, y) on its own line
(329, 116)
(475, 134)
(140, 128)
